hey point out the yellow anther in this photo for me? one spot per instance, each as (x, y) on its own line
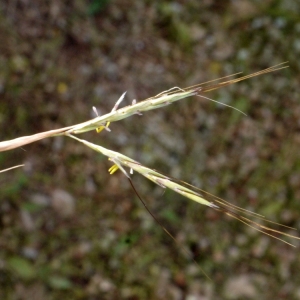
(99, 129)
(113, 169)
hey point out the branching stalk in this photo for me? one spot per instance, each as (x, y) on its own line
(158, 101)
(122, 162)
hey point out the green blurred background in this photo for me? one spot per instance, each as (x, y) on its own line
(69, 230)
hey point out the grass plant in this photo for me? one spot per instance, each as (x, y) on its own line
(127, 165)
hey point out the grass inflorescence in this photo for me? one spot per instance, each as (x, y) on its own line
(128, 165)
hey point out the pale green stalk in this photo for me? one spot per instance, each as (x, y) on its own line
(14, 167)
(164, 181)
(122, 162)
(165, 98)
(137, 108)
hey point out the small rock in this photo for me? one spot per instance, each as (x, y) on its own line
(30, 253)
(27, 221)
(63, 203)
(244, 286)
(40, 199)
